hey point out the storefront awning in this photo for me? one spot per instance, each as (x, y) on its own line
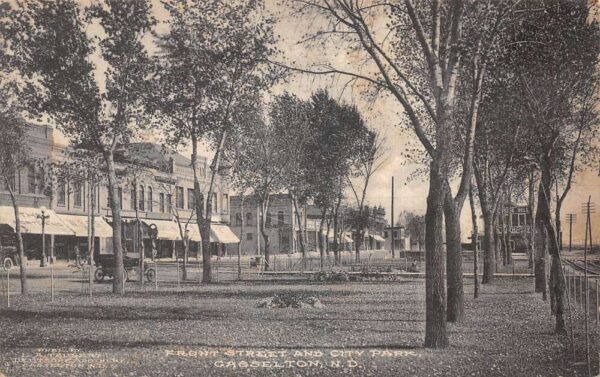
(167, 230)
(222, 234)
(30, 223)
(194, 233)
(79, 224)
(378, 238)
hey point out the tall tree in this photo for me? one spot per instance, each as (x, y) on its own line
(418, 65)
(14, 153)
(212, 60)
(293, 131)
(371, 155)
(551, 73)
(54, 55)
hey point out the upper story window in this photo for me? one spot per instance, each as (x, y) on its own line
(214, 203)
(77, 194)
(179, 197)
(191, 199)
(142, 199)
(238, 219)
(31, 179)
(225, 203)
(61, 193)
(41, 180)
(280, 218)
(249, 218)
(161, 202)
(150, 204)
(120, 192)
(169, 203)
(133, 198)
(268, 220)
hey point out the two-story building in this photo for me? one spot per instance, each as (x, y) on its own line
(283, 230)
(155, 187)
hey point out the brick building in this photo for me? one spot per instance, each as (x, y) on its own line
(158, 185)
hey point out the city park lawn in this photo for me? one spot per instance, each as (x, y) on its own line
(365, 329)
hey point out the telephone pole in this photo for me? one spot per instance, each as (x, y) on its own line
(571, 217)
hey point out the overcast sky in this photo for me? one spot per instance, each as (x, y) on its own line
(384, 115)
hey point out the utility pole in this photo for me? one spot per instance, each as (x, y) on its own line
(587, 208)
(392, 236)
(571, 217)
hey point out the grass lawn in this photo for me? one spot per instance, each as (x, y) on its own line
(365, 329)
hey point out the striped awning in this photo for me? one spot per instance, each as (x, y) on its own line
(223, 234)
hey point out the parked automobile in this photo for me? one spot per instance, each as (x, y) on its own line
(8, 252)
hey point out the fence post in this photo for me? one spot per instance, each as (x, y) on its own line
(124, 277)
(580, 293)
(596, 302)
(8, 288)
(155, 275)
(178, 284)
(91, 281)
(51, 282)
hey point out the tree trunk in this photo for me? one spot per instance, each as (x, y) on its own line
(541, 242)
(531, 205)
(300, 227)
(454, 274)
(19, 243)
(264, 208)
(503, 225)
(336, 245)
(497, 241)
(321, 245)
(242, 230)
(204, 222)
(489, 258)
(115, 208)
(435, 317)
(186, 253)
(557, 289)
(474, 239)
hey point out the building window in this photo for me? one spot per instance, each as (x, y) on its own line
(385, 234)
(77, 189)
(225, 203)
(142, 199)
(169, 202)
(238, 219)
(61, 193)
(191, 199)
(249, 218)
(120, 192)
(515, 219)
(31, 179)
(161, 202)
(179, 197)
(133, 198)
(249, 236)
(214, 203)
(268, 220)
(41, 178)
(150, 204)
(280, 218)
(521, 219)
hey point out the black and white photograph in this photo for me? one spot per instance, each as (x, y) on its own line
(299, 188)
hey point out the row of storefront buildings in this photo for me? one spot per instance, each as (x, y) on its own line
(160, 193)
